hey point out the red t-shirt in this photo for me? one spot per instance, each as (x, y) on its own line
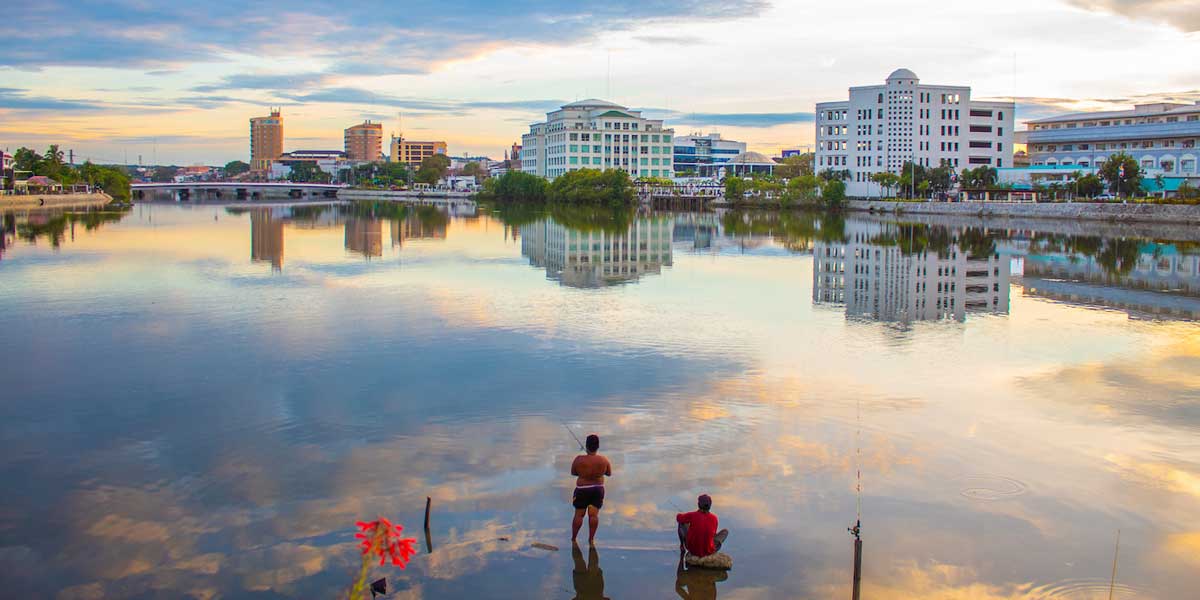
(702, 527)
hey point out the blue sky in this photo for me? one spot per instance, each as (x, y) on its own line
(178, 82)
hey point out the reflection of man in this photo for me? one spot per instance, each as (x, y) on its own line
(698, 584)
(698, 529)
(590, 470)
(588, 578)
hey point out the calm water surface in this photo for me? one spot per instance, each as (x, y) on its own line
(199, 401)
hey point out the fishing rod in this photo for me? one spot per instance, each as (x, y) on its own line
(568, 428)
(856, 531)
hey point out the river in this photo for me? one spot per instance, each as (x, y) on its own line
(201, 400)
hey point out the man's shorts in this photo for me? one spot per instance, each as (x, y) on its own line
(588, 496)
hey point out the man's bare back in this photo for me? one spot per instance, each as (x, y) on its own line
(591, 469)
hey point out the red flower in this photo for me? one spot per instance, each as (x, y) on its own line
(382, 539)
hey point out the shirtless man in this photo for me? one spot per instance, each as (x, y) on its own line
(590, 469)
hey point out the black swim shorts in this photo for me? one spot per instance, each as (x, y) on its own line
(588, 496)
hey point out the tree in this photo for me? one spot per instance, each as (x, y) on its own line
(1089, 185)
(886, 180)
(911, 175)
(611, 187)
(833, 193)
(980, 177)
(164, 174)
(433, 169)
(736, 188)
(474, 169)
(804, 189)
(795, 166)
(234, 168)
(309, 172)
(830, 174)
(26, 159)
(1188, 192)
(513, 187)
(1127, 182)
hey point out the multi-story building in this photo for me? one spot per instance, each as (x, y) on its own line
(364, 141)
(1163, 138)
(594, 134)
(598, 258)
(412, 152)
(266, 140)
(881, 282)
(882, 127)
(693, 152)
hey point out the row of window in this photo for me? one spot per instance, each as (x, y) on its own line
(1144, 144)
(1118, 122)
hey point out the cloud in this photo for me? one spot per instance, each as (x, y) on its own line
(372, 38)
(18, 99)
(255, 81)
(1035, 107)
(757, 120)
(1180, 14)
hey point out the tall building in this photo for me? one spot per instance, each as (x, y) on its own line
(881, 282)
(594, 134)
(1162, 137)
(693, 152)
(266, 140)
(881, 127)
(364, 141)
(412, 152)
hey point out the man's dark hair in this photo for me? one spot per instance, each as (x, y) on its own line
(704, 502)
(592, 442)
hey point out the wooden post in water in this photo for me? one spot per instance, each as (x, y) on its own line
(428, 538)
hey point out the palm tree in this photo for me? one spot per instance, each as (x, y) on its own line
(53, 155)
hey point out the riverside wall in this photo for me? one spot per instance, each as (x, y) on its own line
(26, 201)
(1165, 214)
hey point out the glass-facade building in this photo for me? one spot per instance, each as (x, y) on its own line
(694, 152)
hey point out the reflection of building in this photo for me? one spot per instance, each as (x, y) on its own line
(414, 227)
(266, 140)
(881, 127)
(412, 153)
(364, 141)
(594, 134)
(877, 280)
(266, 237)
(598, 258)
(364, 236)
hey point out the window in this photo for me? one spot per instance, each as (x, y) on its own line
(976, 112)
(980, 129)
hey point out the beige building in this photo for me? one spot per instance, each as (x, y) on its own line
(364, 141)
(266, 140)
(412, 153)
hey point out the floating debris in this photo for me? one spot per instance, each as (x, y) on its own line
(547, 547)
(502, 538)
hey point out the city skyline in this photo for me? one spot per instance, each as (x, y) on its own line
(178, 85)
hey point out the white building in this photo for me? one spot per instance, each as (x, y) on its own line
(594, 134)
(598, 258)
(881, 127)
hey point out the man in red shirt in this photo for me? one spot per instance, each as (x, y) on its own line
(698, 530)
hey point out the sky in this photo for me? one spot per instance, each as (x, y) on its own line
(176, 83)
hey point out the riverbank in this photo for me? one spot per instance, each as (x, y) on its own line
(1167, 214)
(25, 201)
(426, 197)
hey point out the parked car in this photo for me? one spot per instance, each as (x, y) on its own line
(1106, 198)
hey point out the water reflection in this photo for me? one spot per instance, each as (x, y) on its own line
(698, 584)
(54, 225)
(587, 576)
(875, 278)
(587, 257)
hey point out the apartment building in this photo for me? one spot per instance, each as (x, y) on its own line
(1163, 138)
(694, 152)
(412, 152)
(595, 134)
(364, 141)
(266, 140)
(882, 127)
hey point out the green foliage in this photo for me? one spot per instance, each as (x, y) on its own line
(234, 168)
(980, 177)
(515, 186)
(164, 174)
(592, 187)
(433, 169)
(474, 169)
(1089, 185)
(376, 174)
(308, 172)
(1188, 192)
(839, 174)
(656, 180)
(114, 181)
(886, 180)
(1110, 171)
(26, 159)
(798, 165)
(803, 189)
(736, 188)
(833, 194)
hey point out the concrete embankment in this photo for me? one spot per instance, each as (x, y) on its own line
(407, 196)
(24, 201)
(1167, 214)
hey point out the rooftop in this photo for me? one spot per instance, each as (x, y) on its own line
(751, 158)
(1139, 110)
(593, 103)
(902, 74)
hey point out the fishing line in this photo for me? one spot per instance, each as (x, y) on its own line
(573, 435)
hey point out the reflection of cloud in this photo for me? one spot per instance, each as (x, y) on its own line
(1184, 547)
(1158, 475)
(1180, 14)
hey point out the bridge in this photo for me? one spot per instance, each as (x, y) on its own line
(236, 189)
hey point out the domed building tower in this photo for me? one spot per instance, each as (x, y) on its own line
(884, 127)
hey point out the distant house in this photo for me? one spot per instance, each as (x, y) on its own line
(41, 183)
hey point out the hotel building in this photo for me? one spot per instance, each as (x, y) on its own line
(1162, 137)
(364, 141)
(594, 134)
(880, 282)
(598, 258)
(412, 152)
(881, 127)
(266, 140)
(694, 152)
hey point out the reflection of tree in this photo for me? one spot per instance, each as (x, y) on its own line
(794, 229)
(1119, 256)
(54, 225)
(588, 219)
